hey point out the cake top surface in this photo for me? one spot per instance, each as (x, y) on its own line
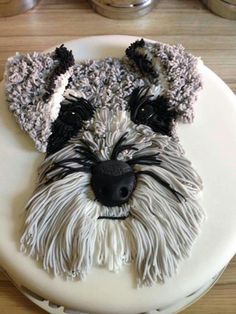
(190, 136)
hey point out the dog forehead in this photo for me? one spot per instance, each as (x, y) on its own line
(105, 82)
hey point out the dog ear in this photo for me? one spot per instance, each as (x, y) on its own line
(171, 68)
(34, 85)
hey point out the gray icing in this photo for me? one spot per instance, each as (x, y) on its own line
(106, 82)
(34, 85)
(62, 226)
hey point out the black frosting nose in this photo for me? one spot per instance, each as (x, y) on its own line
(113, 182)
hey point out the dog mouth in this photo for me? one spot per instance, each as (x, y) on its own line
(114, 217)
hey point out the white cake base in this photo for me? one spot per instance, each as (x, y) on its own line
(173, 308)
(210, 143)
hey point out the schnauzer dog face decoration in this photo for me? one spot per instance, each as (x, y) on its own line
(115, 187)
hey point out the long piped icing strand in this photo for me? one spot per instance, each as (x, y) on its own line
(154, 230)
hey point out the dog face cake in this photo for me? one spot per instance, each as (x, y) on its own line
(115, 186)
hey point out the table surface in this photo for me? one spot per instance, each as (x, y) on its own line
(177, 21)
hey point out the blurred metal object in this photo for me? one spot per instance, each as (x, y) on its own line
(224, 8)
(123, 9)
(14, 7)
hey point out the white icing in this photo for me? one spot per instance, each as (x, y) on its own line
(53, 106)
(77, 93)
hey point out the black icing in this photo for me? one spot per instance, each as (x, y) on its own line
(113, 182)
(153, 112)
(135, 52)
(113, 217)
(65, 60)
(70, 120)
(61, 133)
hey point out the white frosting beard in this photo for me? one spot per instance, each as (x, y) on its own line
(62, 229)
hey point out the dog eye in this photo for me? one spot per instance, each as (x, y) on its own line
(145, 113)
(75, 110)
(153, 112)
(71, 118)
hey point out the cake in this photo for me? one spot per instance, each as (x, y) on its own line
(115, 189)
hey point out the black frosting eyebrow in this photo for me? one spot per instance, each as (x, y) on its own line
(73, 113)
(150, 111)
(65, 60)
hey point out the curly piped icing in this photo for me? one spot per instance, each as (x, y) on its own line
(28, 78)
(115, 187)
(173, 67)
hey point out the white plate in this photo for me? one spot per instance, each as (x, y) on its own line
(210, 143)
